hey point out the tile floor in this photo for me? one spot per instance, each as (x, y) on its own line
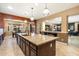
(9, 47)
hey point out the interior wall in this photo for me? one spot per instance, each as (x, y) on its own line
(4, 16)
(76, 27)
(10, 25)
(1, 21)
(6, 28)
(63, 14)
(64, 24)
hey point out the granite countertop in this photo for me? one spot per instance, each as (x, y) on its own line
(54, 31)
(39, 39)
(22, 33)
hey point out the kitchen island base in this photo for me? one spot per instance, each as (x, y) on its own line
(31, 49)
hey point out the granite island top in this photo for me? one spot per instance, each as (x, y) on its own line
(39, 39)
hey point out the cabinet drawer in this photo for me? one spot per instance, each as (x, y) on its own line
(32, 52)
(33, 46)
(27, 50)
(27, 43)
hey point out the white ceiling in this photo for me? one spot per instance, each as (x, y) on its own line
(24, 9)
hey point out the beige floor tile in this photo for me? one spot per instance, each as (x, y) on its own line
(9, 47)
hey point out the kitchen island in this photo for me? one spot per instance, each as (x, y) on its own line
(37, 45)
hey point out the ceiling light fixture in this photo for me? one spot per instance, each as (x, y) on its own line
(25, 21)
(32, 17)
(36, 4)
(46, 10)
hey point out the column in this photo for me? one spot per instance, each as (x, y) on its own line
(64, 25)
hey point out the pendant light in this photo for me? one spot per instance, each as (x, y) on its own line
(25, 21)
(32, 17)
(46, 10)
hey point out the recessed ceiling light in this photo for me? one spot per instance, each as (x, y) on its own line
(26, 13)
(10, 7)
(36, 4)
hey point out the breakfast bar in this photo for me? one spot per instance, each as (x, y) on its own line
(37, 45)
(62, 35)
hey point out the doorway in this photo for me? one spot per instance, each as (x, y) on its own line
(11, 25)
(73, 30)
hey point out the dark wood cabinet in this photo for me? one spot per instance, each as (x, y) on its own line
(48, 49)
(27, 50)
(30, 49)
(32, 52)
(63, 37)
